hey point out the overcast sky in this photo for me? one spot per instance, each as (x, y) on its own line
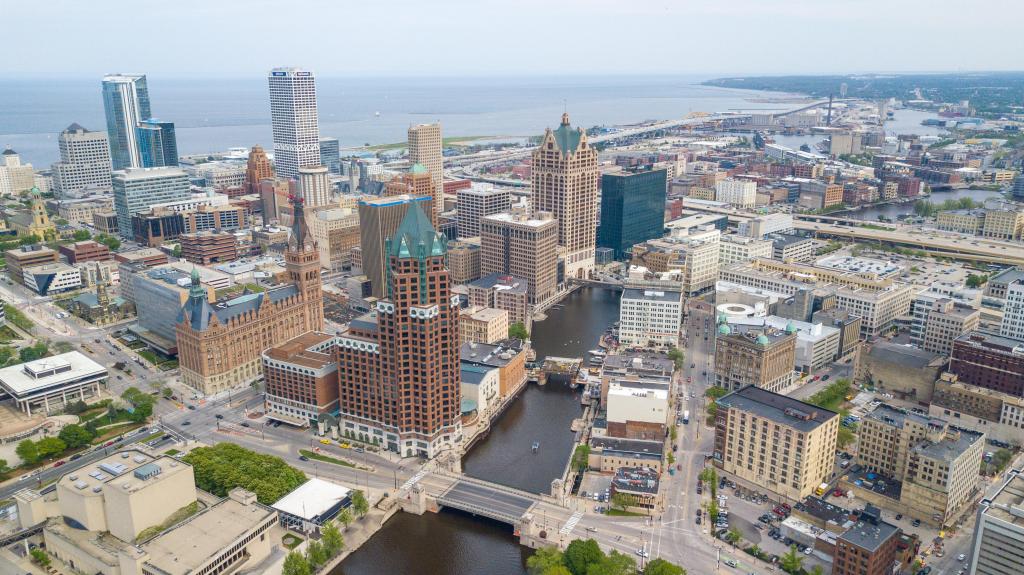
(181, 38)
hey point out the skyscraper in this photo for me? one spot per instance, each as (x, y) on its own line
(330, 154)
(257, 168)
(425, 149)
(378, 220)
(126, 103)
(399, 366)
(84, 161)
(136, 189)
(564, 173)
(522, 246)
(315, 186)
(632, 209)
(158, 146)
(294, 119)
(477, 201)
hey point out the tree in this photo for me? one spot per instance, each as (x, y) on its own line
(30, 239)
(518, 331)
(296, 564)
(359, 504)
(27, 451)
(316, 555)
(755, 550)
(817, 570)
(177, 251)
(622, 501)
(39, 557)
(345, 517)
(6, 353)
(332, 539)
(544, 559)
(557, 570)
(224, 466)
(976, 281)
(81, 235)
(75, 436)
(713, 511)
(581, 456)
(580, 554)
(613, 564)
(662, 567)
(733, 536)
(792, 561)
(110, 241)
(142, 403)
(166, 392)
(676, 355)
(33, 352)
(50, 447)
(844, 437)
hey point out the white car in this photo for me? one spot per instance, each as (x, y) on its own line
(643, 553)
(808, 551)
(961, 557)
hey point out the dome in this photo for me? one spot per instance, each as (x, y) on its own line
(762, 339)
(790, 328)
(722, 318)
(724, 329)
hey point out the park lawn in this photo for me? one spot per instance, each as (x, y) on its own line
(325, 458)
(116, 430)
(620, 513)
(172, 452)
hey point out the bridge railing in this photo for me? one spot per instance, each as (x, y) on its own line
(492, 486)
(479, 510)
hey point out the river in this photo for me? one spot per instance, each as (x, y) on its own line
(453, 543)
(893, 211)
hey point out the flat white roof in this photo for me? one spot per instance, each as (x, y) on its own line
(311, 499)
(64, 369)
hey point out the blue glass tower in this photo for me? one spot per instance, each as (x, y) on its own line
(632, 209)
(330, 155)
(125, 103)
(158, 146)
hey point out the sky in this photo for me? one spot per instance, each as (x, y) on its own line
(233, 38)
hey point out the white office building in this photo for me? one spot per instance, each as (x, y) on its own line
(733, 248)
(84, 161)
(315, 186)
(1012, 325)
(293, 116)
(738, 193)
(52, 382)
(477, 201)
(998, 547)
(650, 316)
(139, 189)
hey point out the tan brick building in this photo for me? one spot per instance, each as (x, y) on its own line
(463, 261)
(522, 246)
(754, 355)
(426, 148)
(483, 324)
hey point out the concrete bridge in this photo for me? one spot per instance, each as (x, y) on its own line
(479, 498)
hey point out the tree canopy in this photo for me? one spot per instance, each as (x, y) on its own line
(518, 331)
(224, 466)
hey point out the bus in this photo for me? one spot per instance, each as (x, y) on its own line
(686, 417)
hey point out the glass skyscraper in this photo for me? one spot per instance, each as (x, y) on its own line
(632, 209)
(330, 155)
(158, 146)
(126, 103)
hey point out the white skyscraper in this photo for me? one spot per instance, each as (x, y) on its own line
(1012, 325)
(315, 186)
(84, 161)
(294, 118)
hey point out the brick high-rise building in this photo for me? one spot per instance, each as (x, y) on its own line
(219, 344)
(564, 174)
(522, 246)
(301, 379)
(256, 169)
(987, 361)
(754, 355)
(399, 365)
(209, 247)
(425, 149)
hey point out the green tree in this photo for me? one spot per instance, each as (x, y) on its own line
(791, 561)
(332, 539)
(39, 557)
(543, 559)
(81, 235)
(716, 392)
(224, 466)
(845, 437)
(177, 251)
(622, 501)
(733, 536)
(49, 447)
(33, 352)
(4, 468)
(518, 331)
(27, 451)
(581, 456)
(29, 240)
(614, 563)
(110, 241)
(817, 570)
(316, 555)
(661, 567)
(166, 392)
(6, 354)
(75, 436)
(580, 554)
(755, 550)
(345, 517)
(296, 564)
(142, 403)
(976, 281)
(359, 504)
(557, 570)
(677, 356)
(713, 511)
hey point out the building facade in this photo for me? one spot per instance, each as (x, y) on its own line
(293, 117)
(378, 220)
(425, 148)
(760, 356)
(158, 144)
(650, 317)
(998, 543)
(525, 247)
(84, 161)
(632, 209)
(137, 189)
(301, 379)
(125, 103)
(477, 201)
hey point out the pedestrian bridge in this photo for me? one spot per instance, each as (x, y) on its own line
(495, 502)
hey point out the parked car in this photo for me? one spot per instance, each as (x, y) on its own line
(916, 523)
(219, 416)
(245, 424)
(303, 458)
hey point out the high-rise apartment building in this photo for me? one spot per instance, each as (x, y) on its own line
(1012, 325)
(257, 168)
(998, 547)
(477, 201)
(301, 379)
(399, 366)
(15, 177)
(632, 209)
(84, 161)
(523, 246)
(293, 116)
(425, 148)
(336, 232)
(137, 189)
(739, 193)
(378, 220)
(564, 176)
(756, 355)
(315, 186)
(125, 103)
(158, 145)
(780, 443)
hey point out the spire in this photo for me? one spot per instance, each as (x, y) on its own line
(415, 231)
(196, 290)
(565, 118)
(300, 231)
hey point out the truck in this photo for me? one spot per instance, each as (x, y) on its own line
(686, 417)
(821, 490)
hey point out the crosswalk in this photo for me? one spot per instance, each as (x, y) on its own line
(414, 479)
(571, 523)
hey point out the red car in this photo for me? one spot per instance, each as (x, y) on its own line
(838, 492)
(59, 463)
(108, 444)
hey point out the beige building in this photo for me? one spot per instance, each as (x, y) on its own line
(779, 443)
(962, 221)
(525, 247)
(483, 325)
(946, 321)
(464, 261)
(336, 232)
(477, 201)
(113, 517)
(998, 415)
(936, 462)
(425, 148)
(733, 248)
(502, 291)
(754, 355)
(564, 174)
(1003, 224)
(81, 211)
(695, 253)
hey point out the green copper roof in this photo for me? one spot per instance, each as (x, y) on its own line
(567, 138)
(724, 329)
(416, 230)
(417, 169)
(762, 339)
(790, 328)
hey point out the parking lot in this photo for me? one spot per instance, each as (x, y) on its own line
(595, 483)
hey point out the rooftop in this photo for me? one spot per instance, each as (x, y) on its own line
(522, 220)
(778, 408)
(898, 417)
(636, 480)
(312, 499)
(1007, 504)
(302, 350)
(652, 295)
(951, 447)
(501, 281)
(126, 471)
(67, 368)
(870, 535)
(494, 355)
(900, 354)
(990, 341)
